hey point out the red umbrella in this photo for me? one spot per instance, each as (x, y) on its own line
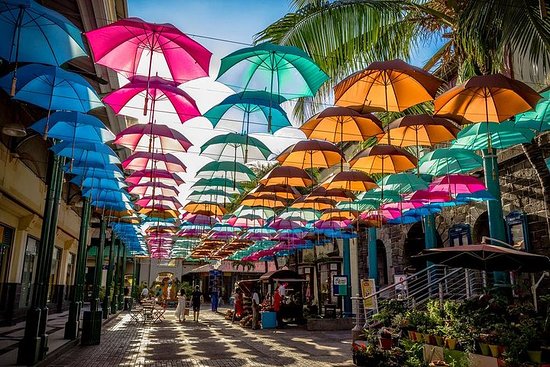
(147, 188)
(164, 138)
(148, 175)
(428, 196)
(146, 160)
(280, 223)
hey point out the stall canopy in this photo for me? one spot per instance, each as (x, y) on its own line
(283, 275)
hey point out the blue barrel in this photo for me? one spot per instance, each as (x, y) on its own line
(269, 320)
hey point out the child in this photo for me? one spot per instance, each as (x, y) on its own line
(180, 310)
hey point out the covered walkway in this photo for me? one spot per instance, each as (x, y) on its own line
(213, 341)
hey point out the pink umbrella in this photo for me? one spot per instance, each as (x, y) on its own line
(131, 45)
(147, 188)
(402, 205)
(169, 201)
(384, 213)
(191, 232)
(167, 100)
(246, 221)
(331, 224)
(159, 207)
(281, 223)
(148, 175)
(426, 196)
(145, 136)
(145, 160)
(199, 219)
(456, 184)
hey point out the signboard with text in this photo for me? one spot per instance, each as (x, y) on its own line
(340, 285)
(368, 287)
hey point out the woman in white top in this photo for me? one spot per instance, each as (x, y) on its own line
(180, 310)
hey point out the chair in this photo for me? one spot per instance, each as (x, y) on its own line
(136, 314)
(158, 313)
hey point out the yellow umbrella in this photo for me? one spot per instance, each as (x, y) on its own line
(390, 85)
(350, 180)
(338, 124)
(332, 194)
(155, 213)
(338, 214)
(283, 192)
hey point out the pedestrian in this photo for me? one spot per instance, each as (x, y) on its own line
(196, 302)
(180, 310)
(238, 311)
(255, 308)
(144, 293)
(277, 308)
(214, 297)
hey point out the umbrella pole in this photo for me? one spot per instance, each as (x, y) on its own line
(18, 30)
(148, 78)
(269, 117)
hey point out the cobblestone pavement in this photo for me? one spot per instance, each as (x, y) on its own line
(213, 341)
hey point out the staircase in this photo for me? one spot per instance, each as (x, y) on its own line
(434, 282)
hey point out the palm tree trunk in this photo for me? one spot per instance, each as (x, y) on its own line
(533, 153)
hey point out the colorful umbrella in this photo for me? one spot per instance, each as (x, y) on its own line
(284, 192)
(269, 200)
(263, 212)
(146, 160)
(539, 119)
(332, 194)
(132, 46)
(169, 201)
(215, 195)
(340, 124)
(284, 70)
(349, 180)
(402, 183)
(303, 215)
(386, 86)
(428, 197)
(449, 161)
(144, 137)
(93, 154)
(231, 170)
(206, 208)
(75, 127)
(383, 158)
(147, 188)
(499, 136)
(281, 223)
(457, 184)
(287, 175)
(225, 184)
(311, 154)
(316, 203)
(235, 147)
(166, 100)
(154, 175)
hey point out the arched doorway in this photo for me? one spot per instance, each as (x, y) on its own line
(414, 244)
(481, 227)
(382, 261)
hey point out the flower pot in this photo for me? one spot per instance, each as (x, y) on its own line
(417, 336)
(495, 352)
(426, 338)
(386, 343)
(451, 343)
(485, 349)
(501, 362)
(412, 335)
(535, 356)
(439, 341)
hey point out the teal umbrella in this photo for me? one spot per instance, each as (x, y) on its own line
(261, 211)
(297, 214)
(359, 205)
(216, 195)
(388, 196)
(499, 136)
(538, 119)
(249, 112)
(284, 70)
(235, 147)
(232, 170)
(445, 161)
(402, 183)
(224, 184)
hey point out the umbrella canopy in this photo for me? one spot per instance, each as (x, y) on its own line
(283, 70)
(487, 257)
(310, 154)
(235, 147)
(332, 194)
(206, 208)
(199, 220)
(269, 200)
(390, 85)
(402, 183)
(79, 168)
(74, 126)
(162, 100)
(486, 98)
(263, 212)
(217, 195)
(316, 203)
(155, 213)
(287, 175)
(383, 158)
(219, 183)
(338, 124)
(102, 183)
(34, 33)
(169, 201)
(350, 180)
(457, 184)
(539, 119)
(146, 160)
(132, 46)
(261, 111)
(500, 136)
(246, 221)
(284, 192)
(144, 137)
(416, 130)
(154, 175)
(303, 215)
(234, 171)
(448, 161)
(280, 223)
(94, 154)
(147, 188)
(427, 197)
(388, 196)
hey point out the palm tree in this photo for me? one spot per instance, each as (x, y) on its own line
(473, 37)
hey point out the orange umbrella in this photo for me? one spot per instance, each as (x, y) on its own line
(338, 214)
(350, 180)
(283, 192)
(310, 154)
(486, 98)
(425, 130)
(269, 200)
(390, 85)
(287, 175)
(338, 124)
(205, 208)
(156, 213)
(383, 158)
(316, 203)
(333, 194)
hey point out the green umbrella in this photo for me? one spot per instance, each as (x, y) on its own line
(283, 70)
(235, 147)
(388, 196)
(359, 205)
(231, 170)
(249, 112)
(261, 211)
(445, 161)
(217, 195)
(402, 183)
(296, 214)
(224, 184)
(538, 119)
(499, 136)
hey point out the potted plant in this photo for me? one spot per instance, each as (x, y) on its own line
(367, 353)
(389, 338)
(483, 341)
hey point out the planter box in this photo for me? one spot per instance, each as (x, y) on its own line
(330, 324)
(472, 360)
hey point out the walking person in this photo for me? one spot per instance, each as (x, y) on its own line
(196, 302)
(255, 309)
(180, 310)
(214, 295)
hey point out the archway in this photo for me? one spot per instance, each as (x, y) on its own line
(481, 227)
(382, 261)
(414, 244)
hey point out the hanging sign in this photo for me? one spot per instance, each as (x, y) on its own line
(339, 285)
(368, 287)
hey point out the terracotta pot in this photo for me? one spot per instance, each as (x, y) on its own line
(485, 349)
(386, 343)
(451, 343)
(412, 335)
(535, 356)
(495, 352)
(439, 341)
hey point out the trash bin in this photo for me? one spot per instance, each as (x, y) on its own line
(269, 320)
(330, 312)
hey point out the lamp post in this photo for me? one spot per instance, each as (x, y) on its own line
(116, 271)
(109, 284)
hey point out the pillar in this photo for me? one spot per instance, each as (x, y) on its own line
(75, 307)
(373, 254)
(122, 275)
(347, 272)
(108, 286)
(32, 347)
(116, 273)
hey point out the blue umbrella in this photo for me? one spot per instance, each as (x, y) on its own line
(94, 154)
(75, 127)
(102, 183)
(405, 219)
(483, 195)
(80, 169)
(107, 195)
(33, 33)
(111, 205)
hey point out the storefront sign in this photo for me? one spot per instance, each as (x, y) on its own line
(340, 285)
(368, 287)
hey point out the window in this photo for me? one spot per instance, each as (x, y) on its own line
(29, 268)
(54, 274)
